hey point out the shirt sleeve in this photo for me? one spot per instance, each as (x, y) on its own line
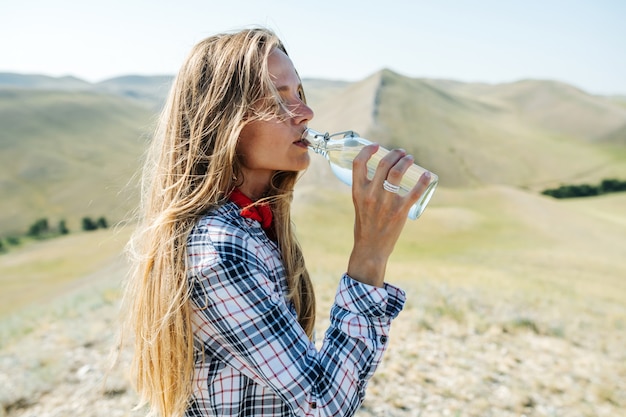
(245, 319)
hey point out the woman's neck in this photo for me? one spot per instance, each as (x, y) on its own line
(255, 187)
(253, 193)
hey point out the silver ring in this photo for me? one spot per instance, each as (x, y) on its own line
(390, 187)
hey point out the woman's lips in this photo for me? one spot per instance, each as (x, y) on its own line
(303, 143)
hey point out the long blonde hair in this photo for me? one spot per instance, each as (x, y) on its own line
(191, 167)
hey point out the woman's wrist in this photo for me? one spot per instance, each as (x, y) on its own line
(368, 270)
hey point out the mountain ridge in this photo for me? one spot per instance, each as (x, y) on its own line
(63, 144)
(441, 126)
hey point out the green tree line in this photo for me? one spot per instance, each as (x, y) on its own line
(586, 190)
(41, 229)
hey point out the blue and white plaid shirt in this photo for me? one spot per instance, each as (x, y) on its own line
(252, 358)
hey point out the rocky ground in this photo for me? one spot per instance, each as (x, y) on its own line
(449, 356)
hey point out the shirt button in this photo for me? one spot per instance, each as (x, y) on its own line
(383, 339)
(314, 405)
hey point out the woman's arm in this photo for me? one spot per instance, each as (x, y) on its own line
(379, 214)
(241, 315)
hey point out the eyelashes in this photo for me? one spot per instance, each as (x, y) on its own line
(286, 102)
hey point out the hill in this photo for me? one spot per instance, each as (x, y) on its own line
(69, 147)
(618, 136)
(147, 90)
(40, 81)
(66, 155)
(318, 90)
(550, 105)
(530, 134)
(151, 91)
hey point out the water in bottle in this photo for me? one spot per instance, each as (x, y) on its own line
(341, 152)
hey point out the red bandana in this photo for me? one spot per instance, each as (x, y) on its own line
(260, 212)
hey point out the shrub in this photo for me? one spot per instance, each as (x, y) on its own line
(102, 223)
(39, 228)
(63, 228)
(612, 185)
(586, 190)
(89, 224)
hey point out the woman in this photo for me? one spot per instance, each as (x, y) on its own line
(220, 301)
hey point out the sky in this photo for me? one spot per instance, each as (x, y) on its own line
(582, 43)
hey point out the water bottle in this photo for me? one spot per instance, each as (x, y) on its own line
(341, 152)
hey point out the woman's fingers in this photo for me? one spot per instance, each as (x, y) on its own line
(389, 164)
(388, 174)
(359, 165)
(396, 172)
(416, 192)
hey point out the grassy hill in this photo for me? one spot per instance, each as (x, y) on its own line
(147, 90)
(69, 153)
(318, 90)
(66, 155)
(40, 81)
(618, 136)
(532, 134)
(550, 105)
(151, 91)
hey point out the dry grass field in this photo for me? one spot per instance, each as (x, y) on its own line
(516, 306)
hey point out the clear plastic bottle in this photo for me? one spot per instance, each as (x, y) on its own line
(341, 152)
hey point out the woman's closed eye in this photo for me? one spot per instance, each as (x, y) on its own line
(301, 94)
(291, 100)
(289, 97)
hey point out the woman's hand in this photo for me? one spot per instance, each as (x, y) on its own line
(380, 215)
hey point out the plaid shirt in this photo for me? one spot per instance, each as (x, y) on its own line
(252, 358)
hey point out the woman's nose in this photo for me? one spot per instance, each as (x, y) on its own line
(303, 113)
